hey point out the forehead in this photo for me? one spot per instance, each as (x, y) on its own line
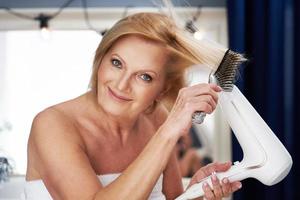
(138, 51)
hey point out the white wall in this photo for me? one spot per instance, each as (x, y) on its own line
(39, 74)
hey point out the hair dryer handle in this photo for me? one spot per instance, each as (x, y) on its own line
(236, 173)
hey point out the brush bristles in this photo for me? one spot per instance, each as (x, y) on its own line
(226, 72)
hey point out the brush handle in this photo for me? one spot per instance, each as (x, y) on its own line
(198, 117)
(204, 75)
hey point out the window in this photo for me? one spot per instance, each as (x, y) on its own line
(35, 74)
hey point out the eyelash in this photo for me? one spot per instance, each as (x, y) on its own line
(148, 79)
(114, 64)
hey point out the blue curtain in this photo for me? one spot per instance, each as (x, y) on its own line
(268, 33)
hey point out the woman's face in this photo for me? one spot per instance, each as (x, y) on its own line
(131, 76)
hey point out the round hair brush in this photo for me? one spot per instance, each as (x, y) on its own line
(224, 76)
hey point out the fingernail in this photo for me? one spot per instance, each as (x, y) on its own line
(214, 177)
(225, 180)
(239, 185)
(220, 88)
(205, 184)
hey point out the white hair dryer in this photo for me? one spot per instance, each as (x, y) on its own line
(265, 157)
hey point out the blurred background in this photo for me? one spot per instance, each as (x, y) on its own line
(46, 54)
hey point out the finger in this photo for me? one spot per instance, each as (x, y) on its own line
(216, 186)
(200, 174)
(221, 167)
(204, 99)
(212, 167)
(197, 177)
(208, 193)
(209, 169)
(203, 106)
(201, 89)
(236, 186)
(208, 91)
(218, 167)
(215, 87)
(226, 187)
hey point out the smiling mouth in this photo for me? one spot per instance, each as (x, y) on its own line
(117, 97)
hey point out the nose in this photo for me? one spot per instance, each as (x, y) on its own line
(123, 84)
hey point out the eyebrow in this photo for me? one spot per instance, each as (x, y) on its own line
(155, 74)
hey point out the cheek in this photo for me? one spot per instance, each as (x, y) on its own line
(103, 74)
(149, 94)
(100, 74)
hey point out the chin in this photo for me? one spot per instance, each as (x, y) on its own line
(114, 111)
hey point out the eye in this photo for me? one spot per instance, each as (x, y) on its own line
(116, 62)
(146, 77)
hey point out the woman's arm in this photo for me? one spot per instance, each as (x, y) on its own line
(60, 159)
(172, 184)
(65, 167)
(66, 171)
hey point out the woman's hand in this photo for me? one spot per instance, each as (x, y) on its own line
(200, 97)
(220, 188)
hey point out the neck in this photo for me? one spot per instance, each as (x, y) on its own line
(121, 126)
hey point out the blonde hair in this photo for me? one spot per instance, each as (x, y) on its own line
(183, 49)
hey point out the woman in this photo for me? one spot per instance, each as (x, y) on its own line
(117, 140)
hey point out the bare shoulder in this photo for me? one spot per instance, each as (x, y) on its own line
(56, 155)
(52, 127)
(51, 132)
(159, 115)
(51, 123)
(47, 117)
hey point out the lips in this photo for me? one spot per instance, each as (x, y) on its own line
(117, 96)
